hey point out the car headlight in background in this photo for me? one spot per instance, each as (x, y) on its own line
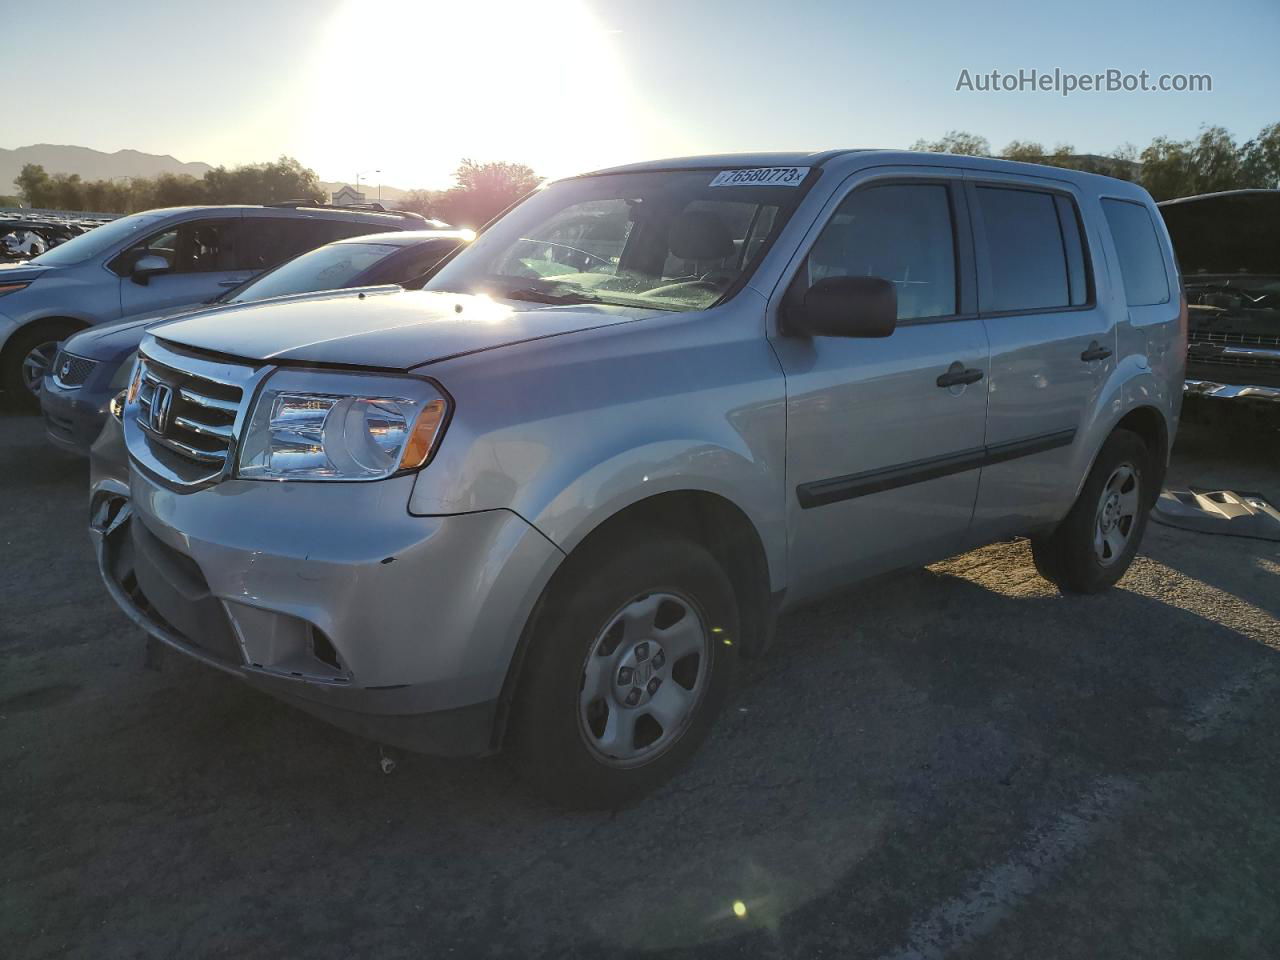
(318, 425)
(123, 373)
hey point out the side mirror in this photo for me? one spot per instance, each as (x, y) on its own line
(146, 267)
(847, 307)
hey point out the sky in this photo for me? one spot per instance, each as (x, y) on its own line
(399, 91)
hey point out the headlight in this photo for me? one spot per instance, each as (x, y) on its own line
(122, 375)
(317, 425)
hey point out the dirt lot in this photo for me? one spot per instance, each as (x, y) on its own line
(955, 761)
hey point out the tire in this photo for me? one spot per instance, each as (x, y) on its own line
(19, 347)
(618, 626)
(1093, 546)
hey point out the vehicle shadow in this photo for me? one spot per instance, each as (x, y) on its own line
(896, 737)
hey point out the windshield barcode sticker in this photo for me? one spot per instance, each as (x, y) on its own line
(761, 177)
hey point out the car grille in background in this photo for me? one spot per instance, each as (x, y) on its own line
(70, 370)
(1234, 349)
(195, 438)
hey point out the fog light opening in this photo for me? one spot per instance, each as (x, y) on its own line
(323, 650)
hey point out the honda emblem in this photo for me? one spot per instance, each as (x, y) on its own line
(161, 407)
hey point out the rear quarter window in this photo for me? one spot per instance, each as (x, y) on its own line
(1146, 281)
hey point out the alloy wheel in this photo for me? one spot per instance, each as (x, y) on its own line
(37, 363)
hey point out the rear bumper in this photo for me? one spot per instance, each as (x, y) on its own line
(1230, 391)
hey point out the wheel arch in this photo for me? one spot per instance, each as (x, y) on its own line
(19, 335)
(58, 320)
(713, 521)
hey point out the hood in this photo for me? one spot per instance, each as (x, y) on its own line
(20, 272)
(116, 338)
(1237, 232)
(388, 328)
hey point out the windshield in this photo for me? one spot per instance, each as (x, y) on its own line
(667, 240)
(325, 268)
(98, 240)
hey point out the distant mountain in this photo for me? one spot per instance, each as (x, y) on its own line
(90, 164)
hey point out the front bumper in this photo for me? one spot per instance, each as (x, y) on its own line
(73, 418)
(1230, 391)
(332, 598)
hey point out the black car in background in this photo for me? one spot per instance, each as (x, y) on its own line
(93, 366)
(1228, 245)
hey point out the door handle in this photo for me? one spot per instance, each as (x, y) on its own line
(957, 374)
(232, 283)
(1095, 352)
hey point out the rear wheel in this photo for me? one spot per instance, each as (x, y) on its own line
(629, 664)
(28, 357)
(1092, 548)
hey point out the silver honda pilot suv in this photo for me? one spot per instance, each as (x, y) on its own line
(548, 502)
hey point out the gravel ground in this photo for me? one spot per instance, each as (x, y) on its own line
(955, 761)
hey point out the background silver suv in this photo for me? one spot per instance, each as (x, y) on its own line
(150, 261)
(549, 501)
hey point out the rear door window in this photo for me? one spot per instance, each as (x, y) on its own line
(198, 246)
(1027, 263)
(207, 246)
(901, 233)
(273, 240)
(1146, 281)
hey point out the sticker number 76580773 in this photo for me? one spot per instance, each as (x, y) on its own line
(761, 177)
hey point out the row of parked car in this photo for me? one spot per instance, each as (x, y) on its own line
(24, 237)
(111, 283)
(545, 502)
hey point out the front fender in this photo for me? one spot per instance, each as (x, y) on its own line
(613, 484)
(569, 431)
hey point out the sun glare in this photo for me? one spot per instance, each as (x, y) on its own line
(409, 88)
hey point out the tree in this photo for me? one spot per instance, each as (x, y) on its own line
(956, 141)
(285, 179)
(33, 184)
(424, 202)
(1217, 161)
(1261, 158)
(171, 190)
(1169, 168)
(1028, 151)
(483, 190)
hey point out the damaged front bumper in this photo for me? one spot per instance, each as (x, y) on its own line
(395, 627)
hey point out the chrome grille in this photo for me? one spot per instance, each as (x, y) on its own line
(1234, 349)
(70, 371)
(1243, 339)
(184, 419)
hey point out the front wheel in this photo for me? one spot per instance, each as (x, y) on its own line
(27, 358)
(630, 662)
(1092, 548)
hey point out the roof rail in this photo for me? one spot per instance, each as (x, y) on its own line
(354, 207)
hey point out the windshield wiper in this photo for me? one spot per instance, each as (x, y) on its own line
(534, 295)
